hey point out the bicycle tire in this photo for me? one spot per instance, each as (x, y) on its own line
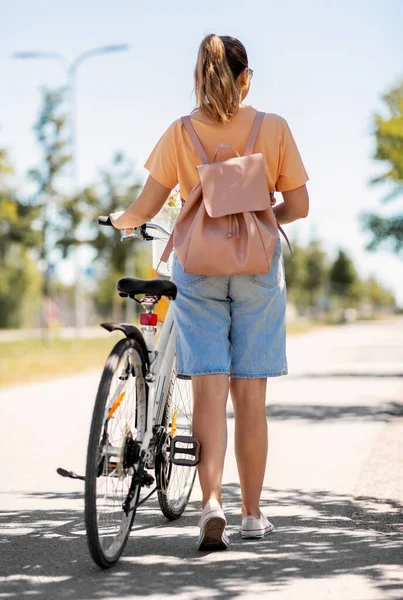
(100, 471)
(174, 499)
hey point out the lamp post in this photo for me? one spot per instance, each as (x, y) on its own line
(71, 73)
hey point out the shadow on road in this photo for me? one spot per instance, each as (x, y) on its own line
(342, 375)
(322, 412)
(317, 535)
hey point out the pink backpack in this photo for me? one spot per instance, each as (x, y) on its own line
(227, 225)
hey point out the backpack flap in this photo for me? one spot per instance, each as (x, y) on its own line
(234, 186)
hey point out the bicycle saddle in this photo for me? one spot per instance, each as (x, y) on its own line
(131, 286)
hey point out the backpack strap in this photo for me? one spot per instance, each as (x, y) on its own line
(168, 249)
(250, 144)
(286, 238)
(195, 140)
(187, 123)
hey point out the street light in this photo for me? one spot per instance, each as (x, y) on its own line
(71, 72)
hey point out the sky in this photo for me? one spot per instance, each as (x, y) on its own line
(323, 66)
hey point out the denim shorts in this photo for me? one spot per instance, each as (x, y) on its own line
(231, 324)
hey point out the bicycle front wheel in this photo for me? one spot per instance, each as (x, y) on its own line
(117, 425)
(175, 482)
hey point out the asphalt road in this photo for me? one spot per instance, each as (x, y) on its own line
(333, 489)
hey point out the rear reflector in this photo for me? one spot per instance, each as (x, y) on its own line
(148, 319)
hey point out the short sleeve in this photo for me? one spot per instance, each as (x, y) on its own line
(292, 172)
(162, 163)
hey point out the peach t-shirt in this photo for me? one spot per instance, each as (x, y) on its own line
(174, 158)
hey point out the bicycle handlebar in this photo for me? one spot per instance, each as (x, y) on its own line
(105, 221)
(138, 232)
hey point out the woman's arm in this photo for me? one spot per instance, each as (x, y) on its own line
(295, 206)
(147, 205)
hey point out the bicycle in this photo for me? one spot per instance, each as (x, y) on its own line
(141, 423)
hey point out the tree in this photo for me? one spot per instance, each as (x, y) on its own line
(376, 293)
(315, 269)
(343, 275)
(306, 272)
(58, 213)
(389, 150)
(117, 188)
(16, 215)
(294, 266)
(20, 283)
(61, 211)
(19, 277)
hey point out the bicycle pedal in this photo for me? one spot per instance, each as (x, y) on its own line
(69, 474)
(184, 445)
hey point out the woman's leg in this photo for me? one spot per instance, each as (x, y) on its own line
(210, 428)
(251, 443)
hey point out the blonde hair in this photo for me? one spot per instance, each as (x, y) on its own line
(220, 61)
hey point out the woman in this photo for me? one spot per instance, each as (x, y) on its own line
(230, 330)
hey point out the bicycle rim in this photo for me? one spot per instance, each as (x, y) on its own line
(117, 424)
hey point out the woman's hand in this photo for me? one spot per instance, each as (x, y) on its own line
(114, 217)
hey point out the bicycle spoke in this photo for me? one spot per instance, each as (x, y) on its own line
(178, 421)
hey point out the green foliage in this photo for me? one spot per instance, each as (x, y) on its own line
(312, 281)
(306, 271)
(61, 213)
(315, 268)
(53, 219)
(32, 227)
(375, 293)
(384, 229)
(16, 215)
(294, 266)
(19, 276)
(342, 275)
(19, 287)
(389, 138)
(389, 151)
(50, 134)
(117, 188)
(109, 304)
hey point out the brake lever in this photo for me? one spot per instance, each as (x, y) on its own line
(139, 233)
(135, 234)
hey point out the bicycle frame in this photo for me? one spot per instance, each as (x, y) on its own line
(158, 376)
(161, 358)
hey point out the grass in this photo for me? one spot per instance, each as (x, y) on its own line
(31, 360)
(299, 327)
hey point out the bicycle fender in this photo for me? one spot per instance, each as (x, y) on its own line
(130, 331)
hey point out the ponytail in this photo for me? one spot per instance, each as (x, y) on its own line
(220, 61)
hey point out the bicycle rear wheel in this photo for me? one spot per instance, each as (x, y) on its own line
(117, 425)
(175, 482)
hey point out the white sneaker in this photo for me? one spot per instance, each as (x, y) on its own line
(212, 528)
(256, 528)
